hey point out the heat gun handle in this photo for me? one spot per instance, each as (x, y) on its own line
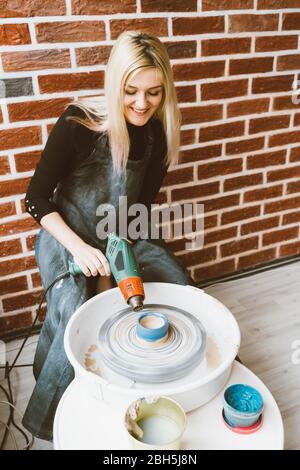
(74, 269)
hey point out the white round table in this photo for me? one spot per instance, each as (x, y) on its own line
(82, 422)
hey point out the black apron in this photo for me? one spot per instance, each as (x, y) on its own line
(90, 182)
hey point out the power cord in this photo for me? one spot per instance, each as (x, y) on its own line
(8, 368)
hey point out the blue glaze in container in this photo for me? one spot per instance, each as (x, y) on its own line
(152, 326)
(243, 405)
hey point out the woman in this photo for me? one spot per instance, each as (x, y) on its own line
(98, 151)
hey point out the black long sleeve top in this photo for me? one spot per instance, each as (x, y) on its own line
(69, 140)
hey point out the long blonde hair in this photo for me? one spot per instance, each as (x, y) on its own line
(133, 50)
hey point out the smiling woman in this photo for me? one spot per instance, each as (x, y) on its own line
(143, 95)
(97, 152)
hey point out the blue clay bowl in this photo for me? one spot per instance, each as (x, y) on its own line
(152, 326)
(243, 405)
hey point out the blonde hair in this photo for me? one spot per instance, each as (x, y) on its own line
(133, 51)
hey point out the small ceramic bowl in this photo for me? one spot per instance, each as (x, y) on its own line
(243, 405)
(152, 326)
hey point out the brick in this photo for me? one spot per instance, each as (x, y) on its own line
(293, 187)
(222, 167)
(198, 257)
(283, 173)
(252, 22)
(269, 123)
(244, 107)
(224, 89)
(210, 5)
(243, 181)
(282, 205)
(198, 114)
(272, 84)
(36, 60)
(200, 153)
(157, 26)
(28, 8)
(214, 271)
(284, 138)
(295, 154)
(238, 246)
(36, 279)
(251, 65)
(181, 49)
(222, 131)
(220, 234)
(71, 81)
(291, 218)
(10, 247)
(182, 175)
(4, 166)
(7, 209)
(285, 102)
(260, 257)
(187, 137)
(186, 94)
(198, 70)
(275, 43)
(245, 145)
(259, 225)
(17, 265)
(14, 284)
(40, 109)
(297, 120)
(290, 249)
(280, 235)
(198, 25)
(20, 137)
(239, 214)
(94, 7)
(277, 4)
(288, 62)
(21, 300)
(27, 161)
(70, 31)
(264, 193)
(219, 203)
(18, 226)
(14, 322)
(12, 187)
(291, 21)
(211, 47)
(263, 160)
(195, 192)
(14, 34)
(92, 55)
(170, 5)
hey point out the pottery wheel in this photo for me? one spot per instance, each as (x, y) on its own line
(142, 361)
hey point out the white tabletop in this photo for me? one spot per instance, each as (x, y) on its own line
(82, 422)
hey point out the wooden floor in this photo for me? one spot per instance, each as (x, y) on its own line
(267, 308)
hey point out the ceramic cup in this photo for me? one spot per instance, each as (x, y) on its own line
(243, 405)
(155, 423)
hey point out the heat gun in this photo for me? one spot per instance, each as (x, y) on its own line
(124, 268)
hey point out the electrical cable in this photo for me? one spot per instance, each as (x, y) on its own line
(8, 368)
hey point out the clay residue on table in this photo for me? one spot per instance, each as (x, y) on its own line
(89, 362)
(213, 356)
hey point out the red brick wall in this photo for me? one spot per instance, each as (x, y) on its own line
(234, 63)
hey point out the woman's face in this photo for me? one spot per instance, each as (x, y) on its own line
(142, 96)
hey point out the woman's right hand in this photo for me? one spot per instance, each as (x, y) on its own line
(91, 260)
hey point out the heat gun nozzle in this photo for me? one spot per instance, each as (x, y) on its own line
(136, 303)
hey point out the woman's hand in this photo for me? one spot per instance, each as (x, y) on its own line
(90, 260)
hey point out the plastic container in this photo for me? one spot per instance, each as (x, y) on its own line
(155, 423)
(243, 405)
